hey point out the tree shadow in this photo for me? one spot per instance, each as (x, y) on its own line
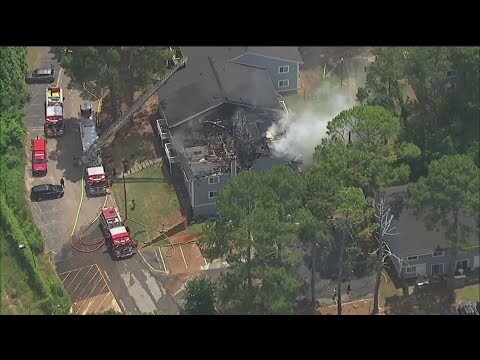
(68, 148)
(434, 300)
(129, 180)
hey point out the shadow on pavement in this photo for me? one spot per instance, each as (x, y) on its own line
(69, 148)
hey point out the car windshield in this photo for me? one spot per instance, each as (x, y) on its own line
(38, 161)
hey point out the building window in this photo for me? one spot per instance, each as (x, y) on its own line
(410, 258)
(213, 180)
(462, 265)
(212, 194)
(437, 253)
(283, 83)
(283, 69)
(437, 269)
(410, 269)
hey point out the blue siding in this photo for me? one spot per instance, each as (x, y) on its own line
(272, 66)
(203, 206)
(429, 260)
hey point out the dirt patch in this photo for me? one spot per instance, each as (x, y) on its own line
(309, 80)
(183, 237)
(183, 257)
(358, 307)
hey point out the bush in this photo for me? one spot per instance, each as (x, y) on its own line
(15, 217)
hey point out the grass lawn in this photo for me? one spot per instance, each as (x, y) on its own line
(156, 203)
(470, 293)
(196, 228)
(388, 292)
(17, 296)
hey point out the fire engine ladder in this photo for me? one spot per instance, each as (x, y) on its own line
(92, 156)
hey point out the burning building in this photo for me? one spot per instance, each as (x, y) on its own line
(213, 121)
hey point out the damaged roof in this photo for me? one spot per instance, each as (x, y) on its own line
(289, 53)
(210, 79)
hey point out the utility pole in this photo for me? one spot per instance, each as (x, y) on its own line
(125, 169)
(341, 74)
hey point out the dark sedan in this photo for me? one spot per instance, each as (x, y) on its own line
(46, 191)
(41, 76)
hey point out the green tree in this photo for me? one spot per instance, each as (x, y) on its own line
(328, 174)
(352, 220)
(121, 69)
(243, 207)
(383, 86)
(446, 198)
(255, 234)
(375, 157)
(200, 296)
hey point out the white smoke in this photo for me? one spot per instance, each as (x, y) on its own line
(295, 136)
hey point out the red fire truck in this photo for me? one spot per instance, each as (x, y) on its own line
(96, 181)
(39, 156)
(117, 237)
(54, 124)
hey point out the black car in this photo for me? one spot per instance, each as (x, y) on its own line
(46, 191)
(41, 76)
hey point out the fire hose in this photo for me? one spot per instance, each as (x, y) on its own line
(99, 243)
(161, 232)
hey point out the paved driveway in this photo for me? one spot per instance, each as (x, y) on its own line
(129, 283)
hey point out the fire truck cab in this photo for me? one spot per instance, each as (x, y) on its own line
(117, 237)
(54, 123)
(39, 156)
(96, 181)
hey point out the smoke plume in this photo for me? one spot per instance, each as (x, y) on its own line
(295, 136)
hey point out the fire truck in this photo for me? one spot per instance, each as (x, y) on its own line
(54, 125)
(95, 177)
(117, 237)
(96, 181)
(39, 156)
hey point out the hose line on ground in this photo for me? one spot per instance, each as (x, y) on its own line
(99, 243)
(161, 232)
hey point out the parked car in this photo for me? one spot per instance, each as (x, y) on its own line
(46, 191)
(41, 76)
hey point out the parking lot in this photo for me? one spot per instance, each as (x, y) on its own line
(89, 290)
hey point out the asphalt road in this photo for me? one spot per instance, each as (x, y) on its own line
(134, 288)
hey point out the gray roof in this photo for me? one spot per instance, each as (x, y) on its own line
(209, 80)
(289, 53)
(265, 163)
(413, 236)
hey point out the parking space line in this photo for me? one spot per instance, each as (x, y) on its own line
(86, 286)
(82, 280)
(50, 236)
(96, 297)
(52, 223)
(68, 274)
(48, 212)
(78, 272)
(105, 298)
(88, 297)
(183, 256)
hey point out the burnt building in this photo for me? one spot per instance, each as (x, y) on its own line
(213, 119)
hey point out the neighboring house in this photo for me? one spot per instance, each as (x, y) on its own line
(282, 64)
(213, 117)
(421, 252)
